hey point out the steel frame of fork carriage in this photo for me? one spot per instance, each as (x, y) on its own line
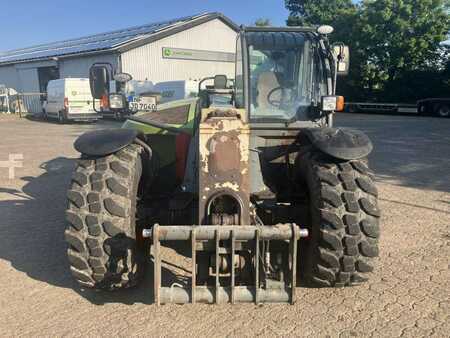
(233, 293)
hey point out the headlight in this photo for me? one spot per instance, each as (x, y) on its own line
(116, 101)
(332, 103)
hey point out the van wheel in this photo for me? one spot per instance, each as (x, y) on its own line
(61, 117)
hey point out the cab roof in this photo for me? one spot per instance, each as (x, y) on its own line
(277, 37)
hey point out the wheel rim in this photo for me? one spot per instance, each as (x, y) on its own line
(444, 111)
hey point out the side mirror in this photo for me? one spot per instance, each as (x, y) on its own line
(342, 58)
(220, 82)
(99, 77)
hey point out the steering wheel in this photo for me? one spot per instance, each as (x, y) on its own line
(277, 103)
(272, 102)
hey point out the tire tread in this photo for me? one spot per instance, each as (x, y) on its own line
(347, 239)
(99, 211)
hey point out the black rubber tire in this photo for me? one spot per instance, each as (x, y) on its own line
(101, 214)
(421, 109)
(443, 111)
(343, 221)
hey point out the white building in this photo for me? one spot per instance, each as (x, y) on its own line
(181, 49)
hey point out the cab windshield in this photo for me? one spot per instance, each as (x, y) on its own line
(284, 81)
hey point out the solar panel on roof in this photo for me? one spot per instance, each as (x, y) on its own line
(96, 42)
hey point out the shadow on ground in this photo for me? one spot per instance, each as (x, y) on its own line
(410, 151)
(75, 128)
(32, 228)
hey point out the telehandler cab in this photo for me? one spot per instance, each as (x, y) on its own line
(253, 179)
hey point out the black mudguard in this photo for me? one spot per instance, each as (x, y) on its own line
(104, 142)
(341, 143)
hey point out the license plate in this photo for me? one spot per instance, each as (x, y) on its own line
(143, 103)
(76, 110)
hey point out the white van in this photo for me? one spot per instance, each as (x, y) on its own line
(177, 90)
(69, 99)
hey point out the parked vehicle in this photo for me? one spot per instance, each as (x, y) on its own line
(434, 106)
(380, 108)
(69, 100)
(241, 180)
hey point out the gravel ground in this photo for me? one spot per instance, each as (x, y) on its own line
(407, 296)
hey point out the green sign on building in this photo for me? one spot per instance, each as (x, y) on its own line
(195, 54)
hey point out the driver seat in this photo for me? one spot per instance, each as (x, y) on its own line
(267, 81)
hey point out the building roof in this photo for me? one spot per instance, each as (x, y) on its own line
(121, 40)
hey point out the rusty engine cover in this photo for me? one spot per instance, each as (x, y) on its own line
(224, 160)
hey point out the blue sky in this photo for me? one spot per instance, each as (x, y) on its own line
(30, 22)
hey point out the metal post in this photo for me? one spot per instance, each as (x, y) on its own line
(233, 277)
(19, 104)
(157, 263)
(217, 265)
(294, 261)
(194, 265)
(8, 108)
(257, 267)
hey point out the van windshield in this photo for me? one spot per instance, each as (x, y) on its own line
(282, 81)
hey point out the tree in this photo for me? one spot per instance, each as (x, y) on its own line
(262, 22)
(343, 15)
(315, 12)
(404, 35)
(390, 41)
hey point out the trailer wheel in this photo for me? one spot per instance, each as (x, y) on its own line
(421, 109)
(343, 221)
(106, 250)
(443, 110)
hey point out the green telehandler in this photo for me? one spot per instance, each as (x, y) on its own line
(249, 181)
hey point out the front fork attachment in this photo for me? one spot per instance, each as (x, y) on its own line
(215, 235)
